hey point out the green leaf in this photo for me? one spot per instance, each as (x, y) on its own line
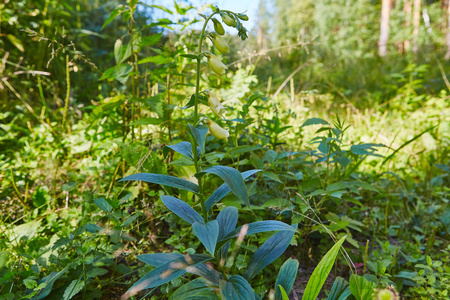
(269, 251)
(158, 259)
(227, 220)
(167, 272)
(314, 121)
(182, 209)
(207, 234)
(286, 278)
(321, 272)
(74, 287)
(158, 59)
(232, 178)
(271, 176)
(103, 205)
(190, 56)
(366, 149)
(119, 73)
(184, 148)
(16, 42)
(236, 288)
(361, 288)
(223, 190)
(340, 290)
(151, 40)
(199, 133)
(112, 16)
(194, 290)
(261, 226)
(118, 51)
(146, 121)
(283, 294)
(241, 149)
(207, 272)
(163, 180)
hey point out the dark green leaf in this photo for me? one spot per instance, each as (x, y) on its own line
(158, 259)
(184, 148)
(199, 133)
(236, 288)
(314, 121)
(103, 205)
(164, 180)
(197, 289)
(207, 234)
(361, 288)
(321, 272)
(261, 226)
(49, 280)
(340, 290)
(227, 220)
(182, 209)
(151, 40)
(269, 251)
(286, 277)
(190, 56)
(206, 271)
(112, 16)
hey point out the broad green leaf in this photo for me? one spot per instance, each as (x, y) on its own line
(283, 294)
(366, 149)
(199, 134)
(49, 280)
(286, 278)
(361, 288)
(227, 220)
(16, 42)
(158, 259)
(340, 290)
(321, 272)
(314, 121)
(195, 290)
(150, 40)
(103, 205)
(27, 230)
(236, 288)
(261, 226)
(146, 121)
(184, 148)
(163, 180)
(167, 272)
(207, 234)
(232, 178)
(206, 271)
(158, 59)
(74, 287)
(113, 15)
(182, 209)
(223, 190)
(119, 73)
(269, 252)
(271, 176)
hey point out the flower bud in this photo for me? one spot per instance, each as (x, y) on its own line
(227, 19)
(215, 105)
(243, 17)
(215, 64)
(218, 27)
(220, 44)
(216, 130)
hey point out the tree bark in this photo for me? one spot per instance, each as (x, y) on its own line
(384, 27)
(416, 24)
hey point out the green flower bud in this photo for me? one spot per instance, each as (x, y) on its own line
(229, 20)
(216, 130)
(218, 27)
(220, 43)
(243, 17)
(214, 103)
(216, 64)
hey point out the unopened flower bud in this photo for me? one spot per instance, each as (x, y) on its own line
(218, 27)
(220, 44)
(243, 17)
(216, 130)
(216, 64)
(229, 20)
(215, 105)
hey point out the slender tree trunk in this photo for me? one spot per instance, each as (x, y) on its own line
(384, 27)
(416, 24)
(447, 55)
(408, 10)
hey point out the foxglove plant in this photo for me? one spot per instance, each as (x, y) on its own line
(219, 233)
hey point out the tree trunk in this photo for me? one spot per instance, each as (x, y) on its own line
(408, 10)
(447, 55)
(416, 24)
(384, 27)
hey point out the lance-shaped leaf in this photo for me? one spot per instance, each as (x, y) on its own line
(340, 290)
(194, 290)
(167, 272)
(269, 251)
(158, 259)
(164, 180)
(286, 278)
(236, 288)
(223, 190)
(206, 271)
(261, 226)
(207, 234)
(227, 220)
(182, 209)
(321, 272)
(184, 148)
(199, 133)
(232, 178)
